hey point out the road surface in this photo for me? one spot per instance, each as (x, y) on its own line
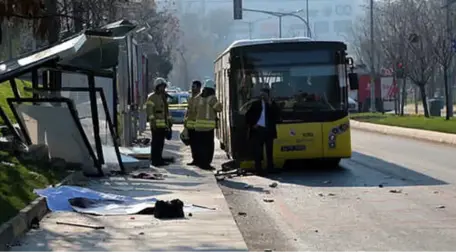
(394, 194)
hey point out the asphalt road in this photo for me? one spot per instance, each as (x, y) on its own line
(394, 194)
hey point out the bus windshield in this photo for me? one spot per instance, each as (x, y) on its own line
(299, 81)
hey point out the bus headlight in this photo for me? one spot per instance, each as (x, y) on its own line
(332, 138)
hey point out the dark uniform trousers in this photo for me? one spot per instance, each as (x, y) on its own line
(261, 140)
(205, 147)
(193, 144)
(157, 144)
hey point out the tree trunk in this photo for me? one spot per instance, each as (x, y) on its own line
(53, 21)
(78, 9)
(447, 93)
(424, 99)
(403, 96)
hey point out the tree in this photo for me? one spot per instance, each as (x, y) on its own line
(160, 37)
(405, 33)
(443, 48)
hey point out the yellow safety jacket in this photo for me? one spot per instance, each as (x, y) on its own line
(206, 112)
(190, 115)
(157, 111)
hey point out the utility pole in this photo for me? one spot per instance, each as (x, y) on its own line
(372, 47)
(448, 87)
(280, 26)
(307, 18)
(250, 29)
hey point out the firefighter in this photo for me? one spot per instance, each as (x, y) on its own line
(159, 120)
(190, 117)
(206, 115)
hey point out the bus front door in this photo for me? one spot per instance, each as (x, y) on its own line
(243, 146)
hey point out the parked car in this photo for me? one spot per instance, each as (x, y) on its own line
(178, 105)
(352, 105)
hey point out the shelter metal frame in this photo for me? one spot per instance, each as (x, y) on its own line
(108, 117)
(74, 115)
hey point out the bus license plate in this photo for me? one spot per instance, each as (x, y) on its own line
(293, 148)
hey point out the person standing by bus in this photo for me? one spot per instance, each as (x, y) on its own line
(160, 121)
(206, 116)
(262, 118)
(190, 120)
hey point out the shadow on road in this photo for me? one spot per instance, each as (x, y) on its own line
(359, 171)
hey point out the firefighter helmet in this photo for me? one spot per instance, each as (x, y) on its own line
(160, 81)
(209, 84)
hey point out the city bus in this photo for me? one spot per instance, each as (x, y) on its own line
(309, 81)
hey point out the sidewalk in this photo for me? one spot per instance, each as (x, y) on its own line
(209, 230)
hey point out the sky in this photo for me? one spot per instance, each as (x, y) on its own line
(329, 19)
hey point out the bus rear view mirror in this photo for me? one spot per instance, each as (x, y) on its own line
(354, 82)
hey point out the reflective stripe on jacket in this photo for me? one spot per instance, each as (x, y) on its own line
(206, 113)
(190, 115)
(157, 111)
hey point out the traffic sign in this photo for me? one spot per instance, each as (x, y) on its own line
(237, 9)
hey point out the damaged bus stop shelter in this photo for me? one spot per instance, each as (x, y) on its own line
(73, 107)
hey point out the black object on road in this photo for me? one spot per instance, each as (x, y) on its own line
(169, 209)
(79, 225)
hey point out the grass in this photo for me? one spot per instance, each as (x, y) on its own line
(438, 124)
(7, 92)
(17, 181)
(17, 178)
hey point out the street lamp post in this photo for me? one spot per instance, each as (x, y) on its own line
(280, 15)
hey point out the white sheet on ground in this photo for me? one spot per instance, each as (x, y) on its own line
(57, 199)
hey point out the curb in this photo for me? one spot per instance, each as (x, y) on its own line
(417, 134)
(17, 226)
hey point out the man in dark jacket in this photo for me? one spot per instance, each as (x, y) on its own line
(262, 117)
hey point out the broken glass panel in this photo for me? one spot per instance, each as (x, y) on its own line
(81, 99)
(53, 124)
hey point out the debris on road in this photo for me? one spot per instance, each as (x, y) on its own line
(273, 185)
(329, 194)
(142, 233)
(242, 213)
(268, 200)
(79, 225)
(441, 207)
(145, 175)
(205, 207)
(395, 191)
